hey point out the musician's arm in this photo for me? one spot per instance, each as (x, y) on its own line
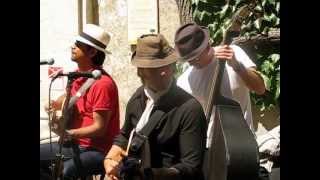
(101, 119)
(252, 79)
(122, 138)
(117, 151)
(236, 58)
(103, 104)
(192, 145)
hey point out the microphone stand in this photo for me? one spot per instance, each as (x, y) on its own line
(57, 167)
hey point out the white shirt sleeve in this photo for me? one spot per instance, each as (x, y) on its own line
(242, 57)
(183, 81)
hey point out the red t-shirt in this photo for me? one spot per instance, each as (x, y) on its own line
(102, 95)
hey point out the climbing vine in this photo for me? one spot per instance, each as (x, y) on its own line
(258, 30)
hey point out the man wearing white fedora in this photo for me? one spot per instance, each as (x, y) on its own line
(96, 112)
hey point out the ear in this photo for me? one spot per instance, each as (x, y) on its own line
(92, 52)
(168, 70)
(163, 73)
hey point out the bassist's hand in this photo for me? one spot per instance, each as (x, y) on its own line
(225, 52)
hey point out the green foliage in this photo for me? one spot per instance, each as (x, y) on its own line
(216, 14)
(180, 68)
(270, 72)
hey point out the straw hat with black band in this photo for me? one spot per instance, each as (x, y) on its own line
(94, 36)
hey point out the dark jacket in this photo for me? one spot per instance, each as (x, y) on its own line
(178, 140)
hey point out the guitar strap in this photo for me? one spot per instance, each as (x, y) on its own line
(140, 139)
(75, 148)
(154, 120)
(80, 92)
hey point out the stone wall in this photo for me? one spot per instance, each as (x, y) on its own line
(113, 17)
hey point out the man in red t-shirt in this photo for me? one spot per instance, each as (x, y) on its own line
(95, 119)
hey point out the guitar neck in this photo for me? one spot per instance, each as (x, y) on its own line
(217, 77)
(232, 31)
(215, 88)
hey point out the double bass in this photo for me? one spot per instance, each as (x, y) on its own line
(233, 154)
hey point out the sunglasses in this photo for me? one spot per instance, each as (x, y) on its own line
(79, 44)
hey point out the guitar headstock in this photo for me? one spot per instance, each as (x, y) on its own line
(236, 21)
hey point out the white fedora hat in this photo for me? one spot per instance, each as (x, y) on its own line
(94, 36)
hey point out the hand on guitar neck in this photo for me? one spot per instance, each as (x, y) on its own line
(55, 111)
(55, 104)
(225, 52)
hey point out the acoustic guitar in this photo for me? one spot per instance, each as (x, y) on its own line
(61, 119)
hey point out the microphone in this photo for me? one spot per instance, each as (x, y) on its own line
(96, 74)
(47, 62)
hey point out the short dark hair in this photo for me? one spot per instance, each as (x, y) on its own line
(99, 58)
